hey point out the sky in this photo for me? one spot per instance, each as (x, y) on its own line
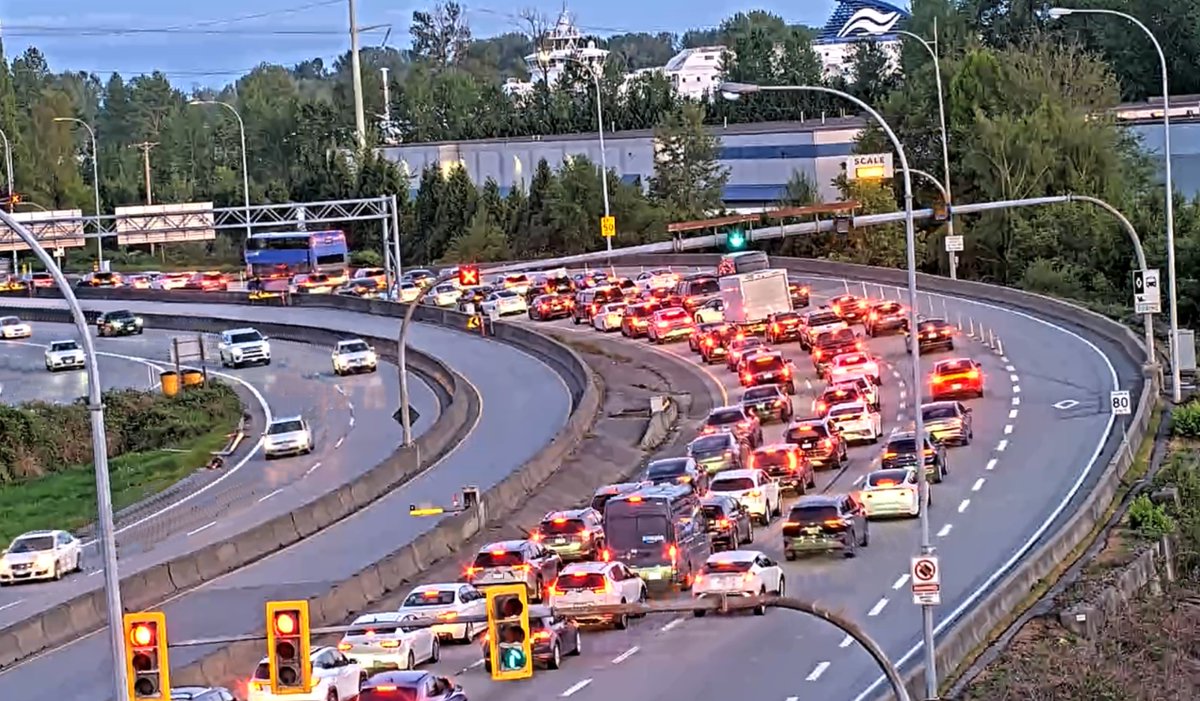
(211, 43)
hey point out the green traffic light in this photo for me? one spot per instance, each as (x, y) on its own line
(511, 658)
(735, 239)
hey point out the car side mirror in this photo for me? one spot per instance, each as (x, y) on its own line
(351, 660)
(967, 410)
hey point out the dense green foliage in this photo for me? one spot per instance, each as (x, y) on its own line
(1185, 420)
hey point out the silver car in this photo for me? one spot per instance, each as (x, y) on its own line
(287, 436)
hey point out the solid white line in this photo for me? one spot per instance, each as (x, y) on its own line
(11, 604)
(205, 527)
(95, 572)
(1014, 378)
(339, 442)
(671, 625)
(1002, 445)
(1016, 389)
(1016, 401)
(962, 505)
(626, 655)
(312, 469)
(978, 485)
(900, 582)
(1008, 429)
(575, 688)
(945, 530)
(817, 672)
(991, 464)
(269, 495)
(1012, 414)
(846, 642)
(878, 607)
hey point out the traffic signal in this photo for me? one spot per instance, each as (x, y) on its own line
(510, 645)
(941, 212)
(842, 223)
(735, 240)
(147, 667)
(468, 275)
(12, 200)
(288, 647)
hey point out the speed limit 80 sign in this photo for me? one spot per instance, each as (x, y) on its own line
(1119, 401)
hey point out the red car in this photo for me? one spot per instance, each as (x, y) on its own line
(669, 325)
(959, 377)
(552, 306)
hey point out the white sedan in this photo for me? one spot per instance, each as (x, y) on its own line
(583, 584)
(447, 603)
(892, 492)
(754, 490)
(850, 365)
(858, 421)
(656, 279)
(287, 436)
(741, 573)
(384, 642)
(711, 312)
(41, 555)
(609, 317)
(12, 327)
(444, 295)
(504, 302)
(64, 355)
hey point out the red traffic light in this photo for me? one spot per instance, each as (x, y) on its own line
(468, 276)
(285, 624)
(142, 635)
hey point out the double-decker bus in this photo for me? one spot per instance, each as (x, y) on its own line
(274, 258)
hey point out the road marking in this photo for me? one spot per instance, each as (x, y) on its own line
(1002, 445)
(671, 625)
(1004, 358)
(896, 374)
(626, 655)
(1016, 389)
(1008, 429)
(350, 406)
(1010, 368)
(205, 527)
(792, 698)
(991, 464)
(978, 484)
(11, 604)
(817, 672)
(900, 582)
(878, 607)
(340, 390)
(339, 442)
(351, 421)
(962, 505)
(95, 572)
(1014, 378)
(846, 642)
(900, 383)
(900, 416)
(945, 531)
(577, 687)
(1016, 401)
(269, 495)
(1012, 414)
(808, 383)
(903, 395)
(857, 480)
(312, 469)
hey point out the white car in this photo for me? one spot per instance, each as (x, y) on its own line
(64, 355)
(517, 282)
(867, 389)
(334, 676)
(41, 555)
(385, 643)
(741, 573)
(609, 317)
(583, 584)
(850, 365)
(12, 327)
(444, 295)
(754, 490)
(711, 312)
(287, 436)
(857, 421)
(891, 492)
(354, 355)
(171, 281)
(657, 279)
(504, 302)
(408, 292)
(447, 603)
(240, 347)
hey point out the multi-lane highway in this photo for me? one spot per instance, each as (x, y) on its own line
(1027, 456)
(524, 406)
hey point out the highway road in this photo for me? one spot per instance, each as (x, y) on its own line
(1026, 458)
(352, 424)
(523, 408)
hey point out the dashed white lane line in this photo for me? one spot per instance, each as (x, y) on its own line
(1008, 429)
(1004, 358)
(1012, 413)
(1016, 401)
(1010, 368)
(899, 583)
(312, 469)
(792, 698)
(351, 422)
(900, 416)
(846, 642)
(900, 383)
(578, 686)
(626, 655)
(878, 607)
(991, 464)
(201, 529)
(857, 480)
(350, 406)
(339, 443)
(1014, 378)
(962, 505)
(817, 672)
(945, 530)
(12, 604)
(808, 384)
(277, 491)
(93, 573)
(671, 625)
(978, 485)
(1002, 445)
(1016, 389)
(903, 395)
(340, 390)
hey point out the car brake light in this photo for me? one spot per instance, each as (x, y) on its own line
(605, 588)
(929, 451)
(973, 375)
(874, 316)
(755, 494)
(886, 483)
(536, 536)
(663, 324)
(753, 461)
(555, 591)
(827, 442)
(858, 345)
(775, 328)
(787, 372)
(522, 568)
(497, 553)
(585, 533)
(747, 378)
(344, 646)
(889, 454)
(834, 522)
(541, 635)
(938, 379)
(471, 572)
(386, 688)
(606, 556)
(560, 521)
(816, 352)
(673, 553)
(723, 523)
(793, 462)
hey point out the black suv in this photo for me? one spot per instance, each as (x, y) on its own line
(768, 402)
(934, 335)
(826, 523)
(574, 534)
(729, 523)
(884, 317)
(119, 323)
(901, 451)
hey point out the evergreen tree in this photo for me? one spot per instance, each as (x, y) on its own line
(689, 180)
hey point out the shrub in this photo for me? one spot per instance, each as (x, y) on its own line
(1185, 420)
(1149, 519)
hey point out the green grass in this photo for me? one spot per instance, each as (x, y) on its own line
(67, 499)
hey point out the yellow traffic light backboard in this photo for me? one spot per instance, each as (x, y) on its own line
(146, 662)
(510, 644)
(288, 642)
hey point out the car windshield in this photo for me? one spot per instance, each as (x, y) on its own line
(727, 567)
(767, 363)
(64, 346)
(499, 558)
(887, 478)
(746, 343)
(355, 347)
(713, 512)
(429, 597)
(812, 513)
(632, 532)
(902, 446)
(670, 467)
(673, 315)
(580, 580)
(9, 321)
(709, 445)
(32, 544)
(757, 394)
(562, 526)
(614, 308)
(120, 315)
(937, 413)
(285, 427)
(732, 484)
(723, 417)
(245, 337)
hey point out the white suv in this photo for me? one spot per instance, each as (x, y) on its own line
(334, 676)
(244, 347)
(354, 355)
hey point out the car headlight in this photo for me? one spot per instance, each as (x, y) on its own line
(266, 348)
(138, 321)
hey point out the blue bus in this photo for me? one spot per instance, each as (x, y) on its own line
(277, 256)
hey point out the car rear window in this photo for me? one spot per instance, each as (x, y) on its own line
(887, 308)
(786, 317)
(732, 484)
(580, 580)
(773, 458)
(887, 478)
(767, 363)
(429, 597)
(802, 431)
(902, 446)
(726, 416)
(703, 287)
(813, 513)
(830, 338)
(629, 532)
(727, 567)
(934, 413)
(847, 410)
(824, 318)
(666, 468)
(499, 558)
(642, 310)
(713, 512)
(562, 526)
(757, 394)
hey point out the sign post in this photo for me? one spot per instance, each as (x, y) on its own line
(608, 227)
(926, 576)
(1147, 295)
(954, 244)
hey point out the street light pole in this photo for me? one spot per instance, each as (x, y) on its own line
(594, 74)
(932, 48)
(8, 167)
(95, 183)
(104, 507)
(1059, 12)
(918, 381)
(245, 167)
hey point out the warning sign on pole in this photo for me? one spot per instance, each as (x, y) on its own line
(926, 575)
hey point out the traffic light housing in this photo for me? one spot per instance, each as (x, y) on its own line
(735, 240)
(147, 667)
(288, 649)
(941, 212)
(510, 644)
(12, 200)
(468, 275)
(843, 223)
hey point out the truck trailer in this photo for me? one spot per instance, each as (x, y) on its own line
(751, 298)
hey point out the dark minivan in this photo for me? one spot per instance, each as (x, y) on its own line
(661, 533)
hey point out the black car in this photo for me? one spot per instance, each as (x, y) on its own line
(884, 317)
(729, 523)
(830, 344)
(574, 534)
(717, 452)
(551, 306)
(787, 464)
(901, 451)
(823, 524)
(934, 335)
(798, 291)
(784, 326)
(684, 471)
(637, 319)
(768, 402)
(768, 369)
(696, 340)
(738, 420)
(714, 345)
(553, 637)
(820, 440)
(410, 685)
(119, 323)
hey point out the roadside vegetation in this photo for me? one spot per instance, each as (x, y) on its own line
(46, 475)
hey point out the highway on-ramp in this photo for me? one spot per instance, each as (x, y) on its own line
(525, 404)
(1026, 457)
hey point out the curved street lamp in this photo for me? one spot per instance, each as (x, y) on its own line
(95, 182)
(245, 169)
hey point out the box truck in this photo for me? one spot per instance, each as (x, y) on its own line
(751, 298)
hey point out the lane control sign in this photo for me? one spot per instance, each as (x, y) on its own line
(926, 575)
(1147, 295)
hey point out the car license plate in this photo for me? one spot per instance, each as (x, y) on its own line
(808, 445)
(957, 385)
(811, 531)
(654, 574)
(560, 540)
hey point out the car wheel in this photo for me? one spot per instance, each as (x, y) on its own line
(866, 536)
(57, 572)
(851, 548)
(578, 649)
(812, 479)
(761, 609)
(789, 555)
(555, 660)
(412, 660)
(487, 665)
(782, 591)
(331, 695)
(435, 654)
(575, 319)
(778, 508)
(621, 621)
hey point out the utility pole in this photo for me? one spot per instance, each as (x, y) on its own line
(360, 120)
(145, 147)
(387, 97)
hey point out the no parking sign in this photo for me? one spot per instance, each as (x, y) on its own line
(926, 576)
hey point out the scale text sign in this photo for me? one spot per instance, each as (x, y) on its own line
(871, 166)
